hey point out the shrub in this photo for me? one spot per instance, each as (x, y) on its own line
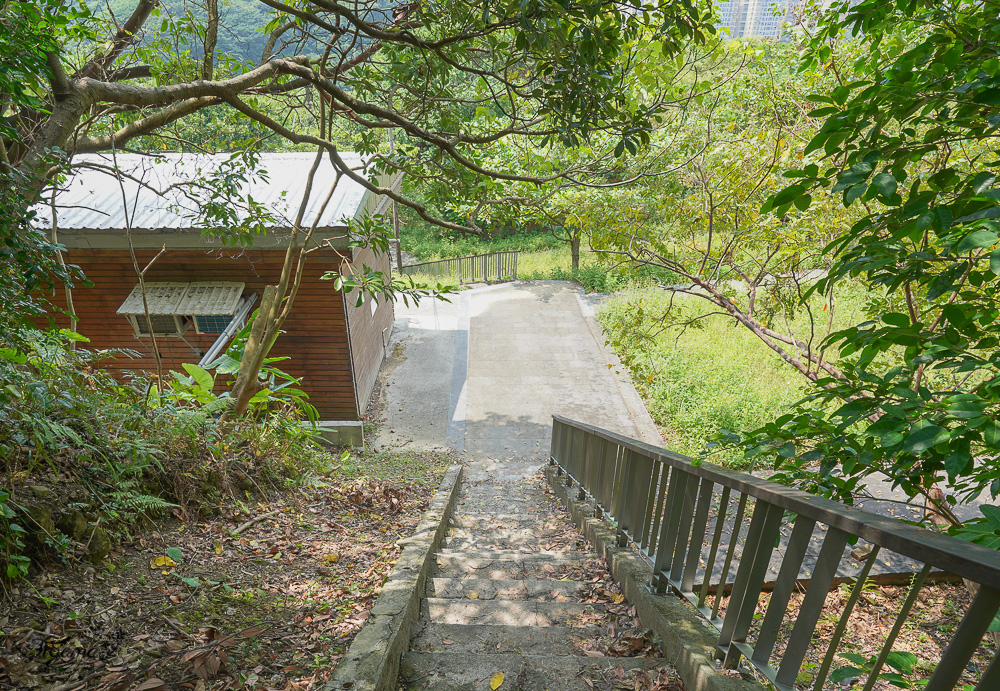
(124, 451)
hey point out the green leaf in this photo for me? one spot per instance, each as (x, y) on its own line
(902, 662)
(226, 364)
(260, 397)
(896, 680)
(891, 439)
(924, 435)
(966, 410)
(787, 450)
(201, 376)
(977, 238)
(995, 261)
(896, 319)
(787, 195)
(885, 184)
(991, 434)
(854, 193)
(992, 514)
(958, 463)
(192, 582)
(175, 554)
(802, 203)
(843, 673)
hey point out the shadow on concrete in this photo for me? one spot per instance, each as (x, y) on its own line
(503, 437)
(543, 291)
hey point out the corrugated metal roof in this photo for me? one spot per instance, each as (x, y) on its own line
(159, 193)
(202, 298)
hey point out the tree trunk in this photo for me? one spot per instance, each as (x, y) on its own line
(574, 248)
(253, 354)
(395, 232)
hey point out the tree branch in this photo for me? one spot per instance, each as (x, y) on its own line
(99, 65)
(141, 127)
(61, 88)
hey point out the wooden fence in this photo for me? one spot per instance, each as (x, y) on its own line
(487, 268)
(709, 531)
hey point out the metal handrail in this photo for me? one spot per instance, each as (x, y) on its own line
(493, 266)
(677, 513)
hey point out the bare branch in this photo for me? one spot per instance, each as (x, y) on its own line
(100, 64)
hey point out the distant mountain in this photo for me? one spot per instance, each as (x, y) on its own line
(239, 30)
(240, 34)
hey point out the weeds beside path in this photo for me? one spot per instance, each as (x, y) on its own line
(193, 605)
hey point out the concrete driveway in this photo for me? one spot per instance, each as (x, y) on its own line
(485, 373)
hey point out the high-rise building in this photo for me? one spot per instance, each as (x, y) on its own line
(763, 18)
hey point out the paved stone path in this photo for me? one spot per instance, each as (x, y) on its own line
(512, 593)
(483, 375)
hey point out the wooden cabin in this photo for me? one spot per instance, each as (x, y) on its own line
(200, 289)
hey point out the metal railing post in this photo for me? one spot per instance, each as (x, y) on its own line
(665, 506)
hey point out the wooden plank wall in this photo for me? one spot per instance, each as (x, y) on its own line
(369, 332)
(316, 330)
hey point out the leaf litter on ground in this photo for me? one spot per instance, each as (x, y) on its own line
(190, 604)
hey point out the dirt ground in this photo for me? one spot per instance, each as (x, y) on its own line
(262, 596)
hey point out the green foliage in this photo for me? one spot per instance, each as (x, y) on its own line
(985, 531)
(366, 282)
(428, 242)
(243, 20)
(597, 277)
(908, 137)
(27, 258)
(137, 451)
(902, 663)
(12, 536)
(275, 389)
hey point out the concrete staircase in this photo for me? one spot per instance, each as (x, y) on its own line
(517, 592)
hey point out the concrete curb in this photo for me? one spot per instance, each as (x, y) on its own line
(685, 638)
(372, 661)
(637, 409)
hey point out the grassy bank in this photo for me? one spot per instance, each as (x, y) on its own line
(542, 256)
(429, 243)
(701, 380)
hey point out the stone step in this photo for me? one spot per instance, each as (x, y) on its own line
(507, 505)
(561, 556)
(503, 534)
(511, 612)
(472, 672)
(500, 518)
(524, 640)
(517, 566)
(480, 524)
(466, 544)
(507, 589)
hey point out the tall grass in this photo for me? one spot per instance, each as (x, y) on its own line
(698, 381)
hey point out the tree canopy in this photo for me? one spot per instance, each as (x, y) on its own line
(908, 138)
